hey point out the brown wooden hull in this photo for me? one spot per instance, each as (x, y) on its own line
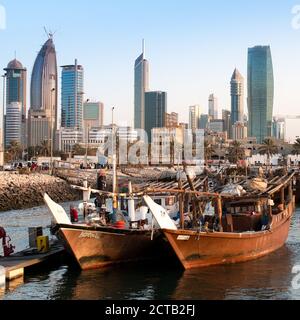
(196, 250)
(105, 247)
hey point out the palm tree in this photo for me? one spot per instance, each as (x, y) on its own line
(208, 150)
(296, 150)
(236, 152)
(268, 148)
(14, 150)
(45, 148)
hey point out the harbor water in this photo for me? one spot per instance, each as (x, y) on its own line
(267, 278)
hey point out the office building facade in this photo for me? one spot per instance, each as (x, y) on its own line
(171, 120)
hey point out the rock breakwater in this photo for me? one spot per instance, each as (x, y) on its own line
(26, 191)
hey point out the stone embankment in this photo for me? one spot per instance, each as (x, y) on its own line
(26, 191)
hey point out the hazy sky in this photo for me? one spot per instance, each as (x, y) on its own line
(193, 46)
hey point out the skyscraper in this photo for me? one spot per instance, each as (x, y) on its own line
(195, 115)
(141, 86)
(213, 110)
(72, 96)
(279, 125)
(16, 77)
(42, 119)
(237, 97)
(226, 117)
(260, 92)
(155, 110)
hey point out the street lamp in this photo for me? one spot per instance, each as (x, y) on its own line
(87, 138)
(51, 131)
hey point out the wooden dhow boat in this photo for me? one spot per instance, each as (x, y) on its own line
(242, 228)
(131, 237)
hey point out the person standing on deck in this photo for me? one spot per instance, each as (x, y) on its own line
(73, 214)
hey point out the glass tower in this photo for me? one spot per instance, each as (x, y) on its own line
(72, 96)
(141, 85)
(260, 92)
(155, 111)
(16, 77)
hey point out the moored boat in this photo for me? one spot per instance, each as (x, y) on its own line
(94, 245)
(248, 227)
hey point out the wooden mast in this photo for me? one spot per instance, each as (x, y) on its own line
(181, 203)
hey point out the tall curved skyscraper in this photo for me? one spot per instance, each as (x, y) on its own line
(260, 92)
(42, 120)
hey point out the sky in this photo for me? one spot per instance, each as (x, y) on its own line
(192, 46)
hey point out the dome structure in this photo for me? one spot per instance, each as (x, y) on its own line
(15, 65)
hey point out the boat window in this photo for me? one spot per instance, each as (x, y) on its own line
(158, 201)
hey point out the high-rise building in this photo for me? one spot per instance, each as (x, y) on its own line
(237, 97)
(16, 77)
(13, 123)
(279, 126)
(195, 115)
(171, 120)
(260, 92)
(213, 109)
(155, 111)
(226, 117)
(141, 86)
(72, 86)
(42, 118)
(93, 114)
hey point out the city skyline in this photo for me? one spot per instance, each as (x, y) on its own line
(185, 85)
